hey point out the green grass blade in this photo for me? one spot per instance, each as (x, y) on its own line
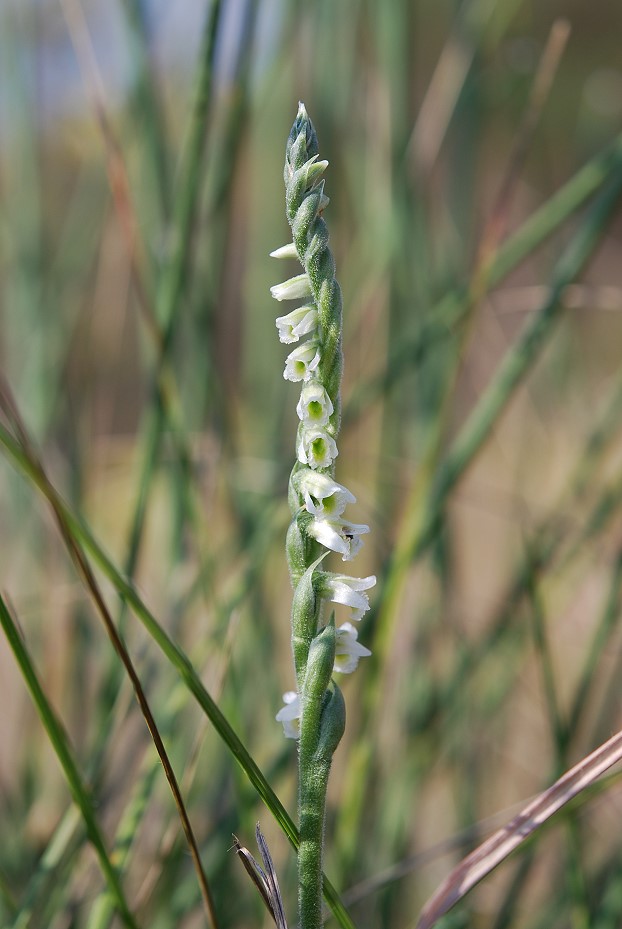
(451, 309)
(521, 357)
(147, 103)
(60, 743)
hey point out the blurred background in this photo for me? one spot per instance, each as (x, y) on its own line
(475, 165)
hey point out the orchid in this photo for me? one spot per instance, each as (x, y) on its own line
(323, 495)
(339, 535)
(315, 406)
(348, 650)
(302, 362)
(316, 448)
(300, 321)
(315, 712)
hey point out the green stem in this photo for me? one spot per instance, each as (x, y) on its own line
(322, 721)
(311, 811)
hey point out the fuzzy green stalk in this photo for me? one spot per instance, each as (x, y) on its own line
(322, 709)
(322, 723)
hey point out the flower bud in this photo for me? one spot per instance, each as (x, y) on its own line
(285, 251)
(296, 550)
(332, 723)
(319, 664)
(292, 289)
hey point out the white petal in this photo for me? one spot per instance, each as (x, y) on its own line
(357, 583)
(289, 715)
(348, 591)
(352, 533)
(324, 532)
(295, 287)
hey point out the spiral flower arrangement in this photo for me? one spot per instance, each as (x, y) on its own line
(315, 712)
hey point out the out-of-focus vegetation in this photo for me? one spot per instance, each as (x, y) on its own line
(475, 166)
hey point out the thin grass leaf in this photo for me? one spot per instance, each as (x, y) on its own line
(115, 166)
(101, 914)
(52, 871)
(272, 881)
(496, 849)
(147, 104)
(60, 743)
(447, 314)
(170, 290)
(521, 357)
(256, 874)
(85, 572)
(265, 881)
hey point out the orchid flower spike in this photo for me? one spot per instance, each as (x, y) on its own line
(314, 713)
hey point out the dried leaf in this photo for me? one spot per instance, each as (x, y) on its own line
(497, 848)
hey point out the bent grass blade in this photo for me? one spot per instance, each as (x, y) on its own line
(502, 843)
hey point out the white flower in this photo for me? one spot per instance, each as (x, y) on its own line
(299, 322)
(348, 590)
(302, 362)
(315, 406)
(289, 715)
(340, 535)
(316, 448)
(323, 496)
(348, 650)
(295, 287)
(285, 251)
